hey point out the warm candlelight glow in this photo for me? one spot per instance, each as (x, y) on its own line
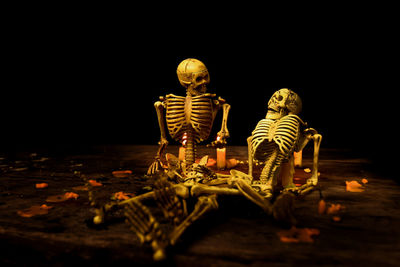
(182, 149)
(221, 158)
(298, 159)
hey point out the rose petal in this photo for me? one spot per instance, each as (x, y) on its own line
(34, 210)
(123, 196)
(296, 235)
(63, 197)
(354, 186)
(41, 185)
(321, 206)
(94, 183)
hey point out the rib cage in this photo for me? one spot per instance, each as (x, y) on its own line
(199, 117)
(175, 116)
(283, 132)
(273, 141)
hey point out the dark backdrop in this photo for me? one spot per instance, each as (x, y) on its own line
(67, 95)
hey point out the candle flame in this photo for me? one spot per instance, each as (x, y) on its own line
(218, 138)
(184, 139)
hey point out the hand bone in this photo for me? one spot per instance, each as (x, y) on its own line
(154, 167)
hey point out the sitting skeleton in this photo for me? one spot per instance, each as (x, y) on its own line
(274, 140)
(191, 116)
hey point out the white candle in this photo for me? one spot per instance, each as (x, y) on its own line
(182, 152)
(182, 149)
(221, 158)
(298, 159)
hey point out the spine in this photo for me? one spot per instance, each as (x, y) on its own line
(190, 154)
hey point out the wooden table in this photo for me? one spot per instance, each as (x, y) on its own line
(237, 234)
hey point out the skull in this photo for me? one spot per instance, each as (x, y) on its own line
(282, 103)
(193, 75)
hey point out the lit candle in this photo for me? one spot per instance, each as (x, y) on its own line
(182, 149)
(221, 158)
(298, 159)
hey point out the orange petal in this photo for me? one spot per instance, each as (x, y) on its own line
(336, 218)
(334, 208)
(231, 163)
(122, 196)
(211, 162)
(364, 181)
(69, 195)
(41, 185)
(122, 174)
(34, 210)
(354, 186)
(94, 183)
(321, 206)
(296, 235)
(63, 197)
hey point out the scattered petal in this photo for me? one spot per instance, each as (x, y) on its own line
(334, 208)
(307, 170)
(69, 195)
(61, 198)
(297, 235)
(321, 206)
(94, 183)
(41, 185)
(211, 162)
(364, 181)
(336, 218)
(231, 163)
(34, 210)
(122, 174)
(123, 196)
(354, 186)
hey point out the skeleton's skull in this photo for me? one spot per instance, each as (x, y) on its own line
(282, 103)
(193, 75)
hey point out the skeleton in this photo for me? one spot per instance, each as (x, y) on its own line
(274, 140)
(192, 116)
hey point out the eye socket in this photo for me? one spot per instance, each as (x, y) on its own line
(280, 98)
(199, 78)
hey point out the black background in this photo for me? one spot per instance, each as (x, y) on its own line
(70, 90)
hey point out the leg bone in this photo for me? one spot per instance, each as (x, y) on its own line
(204, 204)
